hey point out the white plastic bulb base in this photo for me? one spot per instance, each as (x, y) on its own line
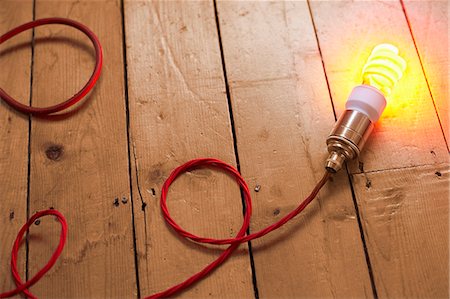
(363, 108)
(368, 100)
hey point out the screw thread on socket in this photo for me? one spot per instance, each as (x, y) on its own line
(334, 162)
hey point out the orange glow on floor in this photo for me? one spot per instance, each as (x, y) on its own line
(407, 97)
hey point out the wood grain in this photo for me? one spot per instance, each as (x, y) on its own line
(429, 25)
(15, 68)
(283, 114)
(405, 218)
(80, 165)
(408, 133)
(178, 111)
(407, 248)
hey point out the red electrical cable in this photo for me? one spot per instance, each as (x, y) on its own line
(79, 95)
(22, 287)
(241, 236)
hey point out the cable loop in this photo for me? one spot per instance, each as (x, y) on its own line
(37, 111)
(23, 287)
(240, 238)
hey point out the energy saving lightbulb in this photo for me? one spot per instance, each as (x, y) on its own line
(364, 106)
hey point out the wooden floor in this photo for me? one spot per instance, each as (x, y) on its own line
(258, 85)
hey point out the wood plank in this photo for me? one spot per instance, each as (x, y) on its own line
(405, 218)
(396, 220)
(178, 111)
(80, 165)
(15, 79)
(283, 114)
(408, 133)
(429, 25)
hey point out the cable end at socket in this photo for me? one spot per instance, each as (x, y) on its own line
(334, 162)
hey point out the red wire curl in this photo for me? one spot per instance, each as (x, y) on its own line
(23, 287)
(241, 236)
(79, 95)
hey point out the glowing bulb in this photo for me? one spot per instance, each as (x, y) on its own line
(364, 106)
(384, 68)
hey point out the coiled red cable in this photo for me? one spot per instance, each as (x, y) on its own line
(79, 95)
(241, 236)
(22, 287)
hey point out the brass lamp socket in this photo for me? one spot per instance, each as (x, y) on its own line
(347, 138)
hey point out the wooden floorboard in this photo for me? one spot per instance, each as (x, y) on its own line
(79, 165)
(408, 134)
(282, 116)
(179, 111)
(258, 85)
(405, 219)
(428, 21)
(407, 137)
(15, 62)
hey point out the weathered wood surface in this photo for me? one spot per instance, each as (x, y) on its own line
(408, 134)
(282, 114)
(15, 61)
(405, 219)
(288, 65)
(179, 111)
(430, 27)
(79, 165)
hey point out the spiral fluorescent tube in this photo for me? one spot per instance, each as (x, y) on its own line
(364, 106)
